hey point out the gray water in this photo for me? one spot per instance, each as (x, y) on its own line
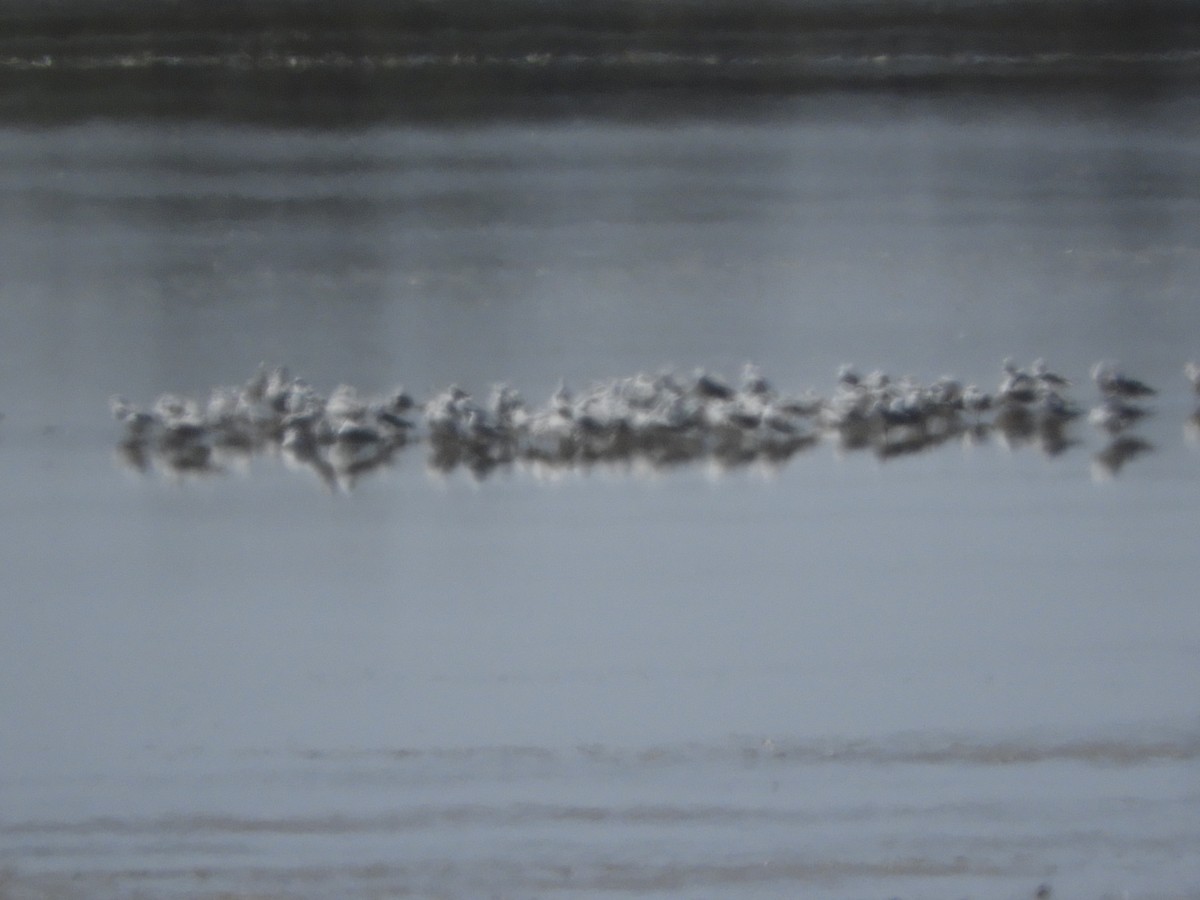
(966, 672)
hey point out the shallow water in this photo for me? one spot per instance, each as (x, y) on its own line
(965, 672)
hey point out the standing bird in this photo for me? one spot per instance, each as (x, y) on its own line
(1116, 384)
(754, 381)
(1018, 386)
(976, 401)
(711, 387)
(1046, 379)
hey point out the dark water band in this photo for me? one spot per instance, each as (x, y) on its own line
(368, 60)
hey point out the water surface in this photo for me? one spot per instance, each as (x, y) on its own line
(965, 672)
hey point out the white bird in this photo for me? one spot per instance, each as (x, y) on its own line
(976, 401)
(711, 387)
(1115, 383)
(344, 406)
(1018, 386)
(446, 414)
(847, 376)
(1048, 379)
(754, 381)
(562, 401)
(172, 408)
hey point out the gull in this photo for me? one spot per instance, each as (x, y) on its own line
(848, 406)
(754, 381)
(357, 435)
(344, 405)
(506, 405)
(279, 387)
(171, 408)
(806, 405)
(1115, 383)
(976, 401)
(446, 415)
(562, 401)
(394, 414)
(783, 419)
(1018, 386)
(906, 412)
(549, 433)
(946, 394)
(877, 380)
(711, 387)
(231, 428)
(1048, 379)
(641, 391)
(847, 376)
(733, 414)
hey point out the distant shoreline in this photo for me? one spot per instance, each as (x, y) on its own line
(367, 60)
(345, 92)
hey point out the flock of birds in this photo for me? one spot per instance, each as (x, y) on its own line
(655, 421)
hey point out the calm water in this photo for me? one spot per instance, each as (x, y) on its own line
(968, 672)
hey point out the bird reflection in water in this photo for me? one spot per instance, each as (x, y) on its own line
(1191, 428)
(1121, 450)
